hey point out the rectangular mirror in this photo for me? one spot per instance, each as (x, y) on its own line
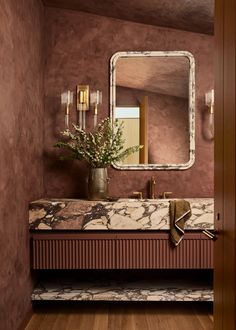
(153, 94)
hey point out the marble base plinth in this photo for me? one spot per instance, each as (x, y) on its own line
(110, 290)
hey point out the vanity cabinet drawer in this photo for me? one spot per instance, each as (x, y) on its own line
(120, 251)
(71, 252)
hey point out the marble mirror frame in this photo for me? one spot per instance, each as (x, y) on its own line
(191, 105)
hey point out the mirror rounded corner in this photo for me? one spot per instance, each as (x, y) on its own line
(138, 81)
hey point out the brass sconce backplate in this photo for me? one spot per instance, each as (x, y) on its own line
(82, 97)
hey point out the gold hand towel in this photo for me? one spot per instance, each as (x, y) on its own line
(180, 212)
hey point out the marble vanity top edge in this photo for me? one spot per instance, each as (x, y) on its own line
(121, 214)
(147, 200)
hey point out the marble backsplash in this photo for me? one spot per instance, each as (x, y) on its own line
(122, 214)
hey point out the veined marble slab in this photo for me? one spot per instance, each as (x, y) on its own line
(150, 290)
(123, 214)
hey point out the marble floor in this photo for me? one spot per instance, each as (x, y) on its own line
(165, 289)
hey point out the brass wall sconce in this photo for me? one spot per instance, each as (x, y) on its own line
(95, 100)
(66, 103)
(209, 98)
(82, 103)
(209, 101)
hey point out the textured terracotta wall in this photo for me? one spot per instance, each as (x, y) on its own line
(168, 130)
(21, 140)
(78, 49)
(168, 133)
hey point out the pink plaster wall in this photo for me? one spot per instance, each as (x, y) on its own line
(78, 49)
(197, 16)
(168, 130)
(21, 140)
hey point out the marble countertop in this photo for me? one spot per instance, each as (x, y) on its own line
(122, 214)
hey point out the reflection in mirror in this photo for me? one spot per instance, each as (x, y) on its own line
(130, 116)
(153, 94)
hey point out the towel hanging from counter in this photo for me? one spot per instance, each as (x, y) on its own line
(180, 212)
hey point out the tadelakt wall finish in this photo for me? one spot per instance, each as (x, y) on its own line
(21, 141)
(197, 16)
(78, 50)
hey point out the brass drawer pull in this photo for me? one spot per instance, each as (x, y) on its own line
(212, 235)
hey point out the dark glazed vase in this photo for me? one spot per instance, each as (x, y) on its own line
(97, 184)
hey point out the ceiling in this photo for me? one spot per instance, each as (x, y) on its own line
(162, 75)
(188, 15)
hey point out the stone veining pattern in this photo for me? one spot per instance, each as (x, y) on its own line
(122, 291)
(123, 214)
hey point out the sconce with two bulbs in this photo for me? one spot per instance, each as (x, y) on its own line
(209, 101)
(84, 101)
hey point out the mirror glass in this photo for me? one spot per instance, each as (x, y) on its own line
(153, 93)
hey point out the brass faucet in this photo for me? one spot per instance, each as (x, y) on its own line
(138, 194)
(166, 194)
(152, 187)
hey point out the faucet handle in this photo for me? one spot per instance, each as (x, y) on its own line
(166, 194)
(152, 185)
(138, 194)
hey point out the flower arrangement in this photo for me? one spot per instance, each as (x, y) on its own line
(100, 148)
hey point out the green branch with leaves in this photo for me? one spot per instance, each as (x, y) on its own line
(100, 148)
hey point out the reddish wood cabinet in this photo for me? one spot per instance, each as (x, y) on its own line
(119, 250)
